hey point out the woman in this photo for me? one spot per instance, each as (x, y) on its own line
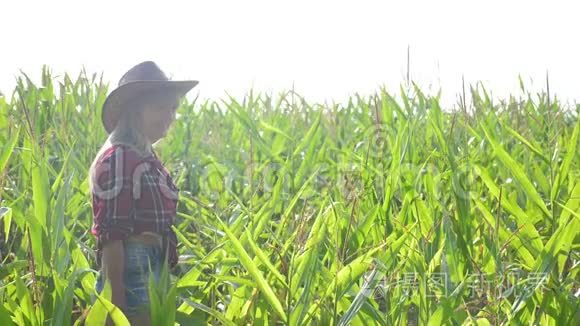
(134, 199)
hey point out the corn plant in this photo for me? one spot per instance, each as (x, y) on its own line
(386, 210)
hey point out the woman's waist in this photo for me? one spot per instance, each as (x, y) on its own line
(147, 237)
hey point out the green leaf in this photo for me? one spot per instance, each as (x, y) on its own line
(527, 232)
(103, 306)
(7, 151)
(212, 312)
(517, 171)
(264, 259)
(527, 143)
(5, 317)
(274, 129)
(6, 215)
(441, 315)
(25, 300)
(571, 154)
(561, 240)
(254, 272)
(64, 306)
(371, 283)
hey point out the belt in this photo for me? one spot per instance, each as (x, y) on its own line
(147, 237)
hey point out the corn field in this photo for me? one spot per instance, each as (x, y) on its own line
(386, 210)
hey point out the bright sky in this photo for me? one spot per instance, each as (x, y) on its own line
(327, 49)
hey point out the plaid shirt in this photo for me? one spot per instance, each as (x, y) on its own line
(133, 194)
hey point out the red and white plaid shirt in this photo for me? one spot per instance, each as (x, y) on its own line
(133, 194)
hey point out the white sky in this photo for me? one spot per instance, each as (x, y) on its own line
(327, 49)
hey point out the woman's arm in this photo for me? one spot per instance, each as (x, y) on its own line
(113, 262)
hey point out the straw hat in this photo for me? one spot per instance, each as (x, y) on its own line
(139, 80)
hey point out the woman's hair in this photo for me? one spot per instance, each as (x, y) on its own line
(129, 129)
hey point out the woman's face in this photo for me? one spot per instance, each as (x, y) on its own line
(157, 119)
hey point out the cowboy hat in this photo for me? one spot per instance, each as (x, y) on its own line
(143, 78)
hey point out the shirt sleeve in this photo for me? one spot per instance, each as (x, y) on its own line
(113, 202)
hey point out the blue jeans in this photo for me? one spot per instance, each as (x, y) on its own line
(136, 274)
